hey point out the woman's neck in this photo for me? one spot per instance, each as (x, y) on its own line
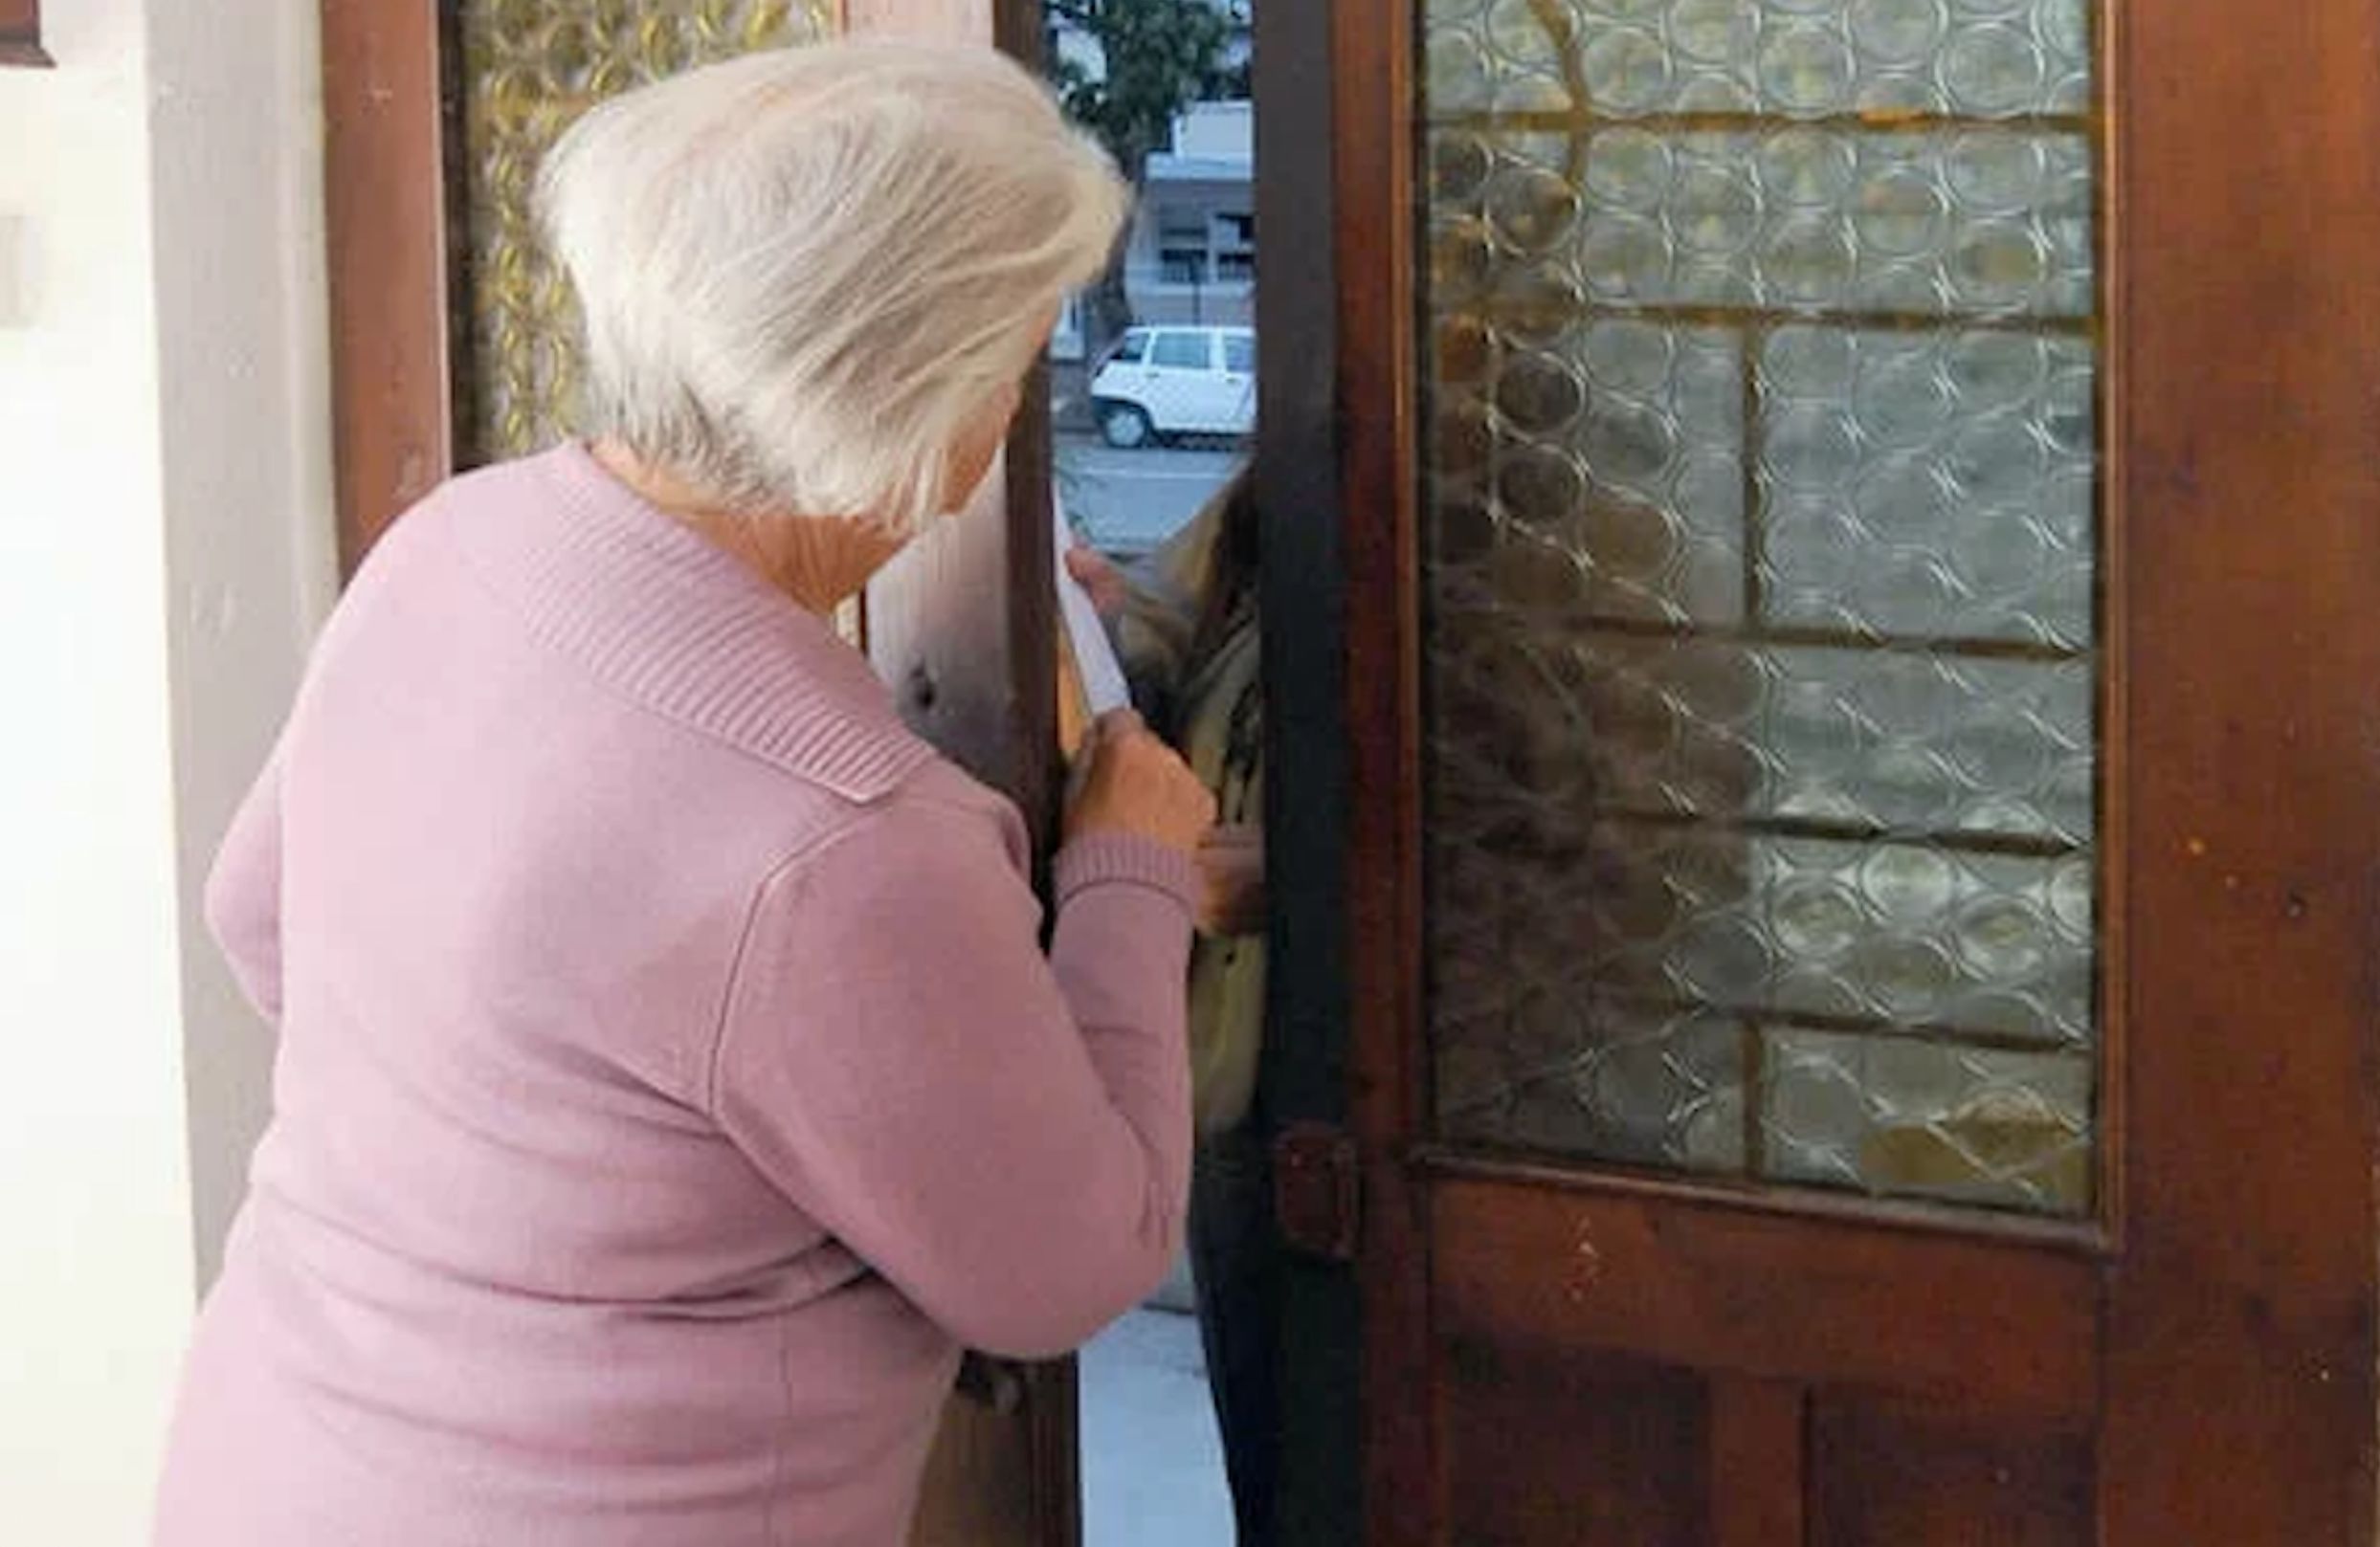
(819, 561)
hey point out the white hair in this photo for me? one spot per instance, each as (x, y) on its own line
(807, 275)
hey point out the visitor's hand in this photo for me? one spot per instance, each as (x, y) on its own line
(1127, 781)
(1231, 861)
(1100, 579)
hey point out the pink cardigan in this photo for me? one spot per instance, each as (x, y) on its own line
(670, 1081)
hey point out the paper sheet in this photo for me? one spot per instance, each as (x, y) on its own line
(1103, 684)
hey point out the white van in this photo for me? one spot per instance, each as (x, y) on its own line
(1176, 381)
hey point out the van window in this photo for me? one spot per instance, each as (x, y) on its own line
(1239, 354)
(1131, 348)
(1183, 351)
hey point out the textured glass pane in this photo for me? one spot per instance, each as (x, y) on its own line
(1839, 741)
(1795, 59)
(1984, 945)
(528, 68)
(1980, 221)
(1652, 1088)
(1760, 590)
(1929, 483)
(1968, 1124)
(1595, 465)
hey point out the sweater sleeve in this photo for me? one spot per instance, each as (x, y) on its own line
(1005, 1137)
(243, 895)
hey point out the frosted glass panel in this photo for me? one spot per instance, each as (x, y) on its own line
(1761, 600)
(1794, 58)
(528, 68)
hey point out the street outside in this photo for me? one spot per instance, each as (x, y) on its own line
(1128, 502)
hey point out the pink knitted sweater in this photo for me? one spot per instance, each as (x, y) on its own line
(669, 1080)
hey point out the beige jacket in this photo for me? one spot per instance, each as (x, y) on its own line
(1206, 699)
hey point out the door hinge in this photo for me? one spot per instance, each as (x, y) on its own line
(1318, 1190)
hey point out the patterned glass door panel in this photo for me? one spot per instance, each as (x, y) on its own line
(1760, 596)
(528, 69)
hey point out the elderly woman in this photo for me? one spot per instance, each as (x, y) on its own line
(670, 1080)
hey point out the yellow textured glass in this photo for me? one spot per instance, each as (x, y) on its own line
(529, 66)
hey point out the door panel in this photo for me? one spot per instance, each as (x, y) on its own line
(1800, 677)
(1758, 558)
(1630, 1462)
(1770, 1295)
(1885, 1473)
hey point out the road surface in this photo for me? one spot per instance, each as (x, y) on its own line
(1128, 502)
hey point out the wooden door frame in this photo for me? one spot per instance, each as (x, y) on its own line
(1377, 311)
(20, 34)
(1300, 420)
(2234, 1254)
(2241, 1377)
(392, 148)
(387, 218)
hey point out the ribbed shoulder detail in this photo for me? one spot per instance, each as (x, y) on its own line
(663, 615)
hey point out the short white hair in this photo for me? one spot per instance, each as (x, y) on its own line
(807, 274)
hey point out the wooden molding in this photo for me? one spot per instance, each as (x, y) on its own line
(2243, 236)
(391, 396)
(2196, 1362)
(20, 34)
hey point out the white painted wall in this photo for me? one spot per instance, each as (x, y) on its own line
(251, 548)
(1223, 131)
(164, 551)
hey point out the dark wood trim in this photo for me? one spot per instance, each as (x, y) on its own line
(2077, 1238)
(1770, 1296)
(20, 34)
(464, 372)
(2245, 231)
(1759, 1454)
(383, 160)
(1373, 176)
(1037, 781)
(1052, 1390)
(1053, 1413)
(1303, 575)
(1320, 1494)
(2111, 817)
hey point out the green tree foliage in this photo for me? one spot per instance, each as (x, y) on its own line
(1161, 56)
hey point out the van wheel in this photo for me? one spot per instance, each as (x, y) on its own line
(1125, 427)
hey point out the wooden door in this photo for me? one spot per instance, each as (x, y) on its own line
(1862, 525)
(454, 344)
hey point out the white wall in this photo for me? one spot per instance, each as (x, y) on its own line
(1221, 130)
(251, 553)
(162, 550)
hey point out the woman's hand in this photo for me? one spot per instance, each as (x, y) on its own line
(1100, 579)
(1127, 781)
(1231, 861)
